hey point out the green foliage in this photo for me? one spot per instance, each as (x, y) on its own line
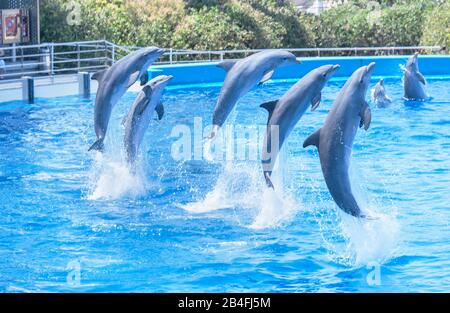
(401, 25)
(344, 26)
(352, 25)
(236, 24)
(208, 28)
(436, 30)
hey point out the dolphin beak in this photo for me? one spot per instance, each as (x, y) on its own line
(333, 69)
(165, 79)
(297, 61)
(161, 51)
(370, 67)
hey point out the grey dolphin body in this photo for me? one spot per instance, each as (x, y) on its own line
(335, 139)
(114, 82)
(413, 81)
(379, 96)
(287, 111)
(138, 118)
(242, 76)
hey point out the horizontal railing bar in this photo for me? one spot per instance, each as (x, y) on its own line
(55, 70)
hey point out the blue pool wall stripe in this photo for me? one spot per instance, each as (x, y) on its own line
(201, 73)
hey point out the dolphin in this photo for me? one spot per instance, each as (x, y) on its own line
(242, 76)
(413, 81)
(138, 117)
(114, 82)
(335, 139)
(379, 96)
(287, 111)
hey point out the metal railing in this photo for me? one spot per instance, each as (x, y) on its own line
(51, 59)
(179, 56)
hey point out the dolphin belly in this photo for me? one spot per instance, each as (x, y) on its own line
(414, 89)
(338, 183)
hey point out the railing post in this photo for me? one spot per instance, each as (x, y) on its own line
(84, 84)
(13, 52)
(28, 88)
(52, 59)
(21, 60)
(171, 55)
(78, 57)
(113, 54)
(105, 46)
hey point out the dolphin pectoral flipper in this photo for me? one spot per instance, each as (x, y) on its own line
(133, 78)
(98, 76)
(226, 65)
(316, 101)
(313, 139)
(366, 116)
(269, 106)
(266, 77)
(421, 78)
(159, 110)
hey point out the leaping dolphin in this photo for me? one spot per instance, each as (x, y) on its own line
(335, 139)
(138, 118)
(379, 96)
(114, 82)
(413, 81)
(287, 111)
(242, 76)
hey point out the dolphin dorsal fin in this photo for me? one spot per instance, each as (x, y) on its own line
(226, 65)
(98, 76)
(313, 139)
(269, 106)
(266, 77)
(159, 110)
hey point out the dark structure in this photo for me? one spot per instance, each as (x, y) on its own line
(19, 22)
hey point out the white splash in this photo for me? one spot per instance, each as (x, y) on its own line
(361, 241)
(370, 240)
(241, 185)
(112, 179)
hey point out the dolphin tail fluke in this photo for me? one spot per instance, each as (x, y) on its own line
(98, 145)
(313, 139)
(268, 180)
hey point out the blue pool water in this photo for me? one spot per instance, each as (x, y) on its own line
(76, 221)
